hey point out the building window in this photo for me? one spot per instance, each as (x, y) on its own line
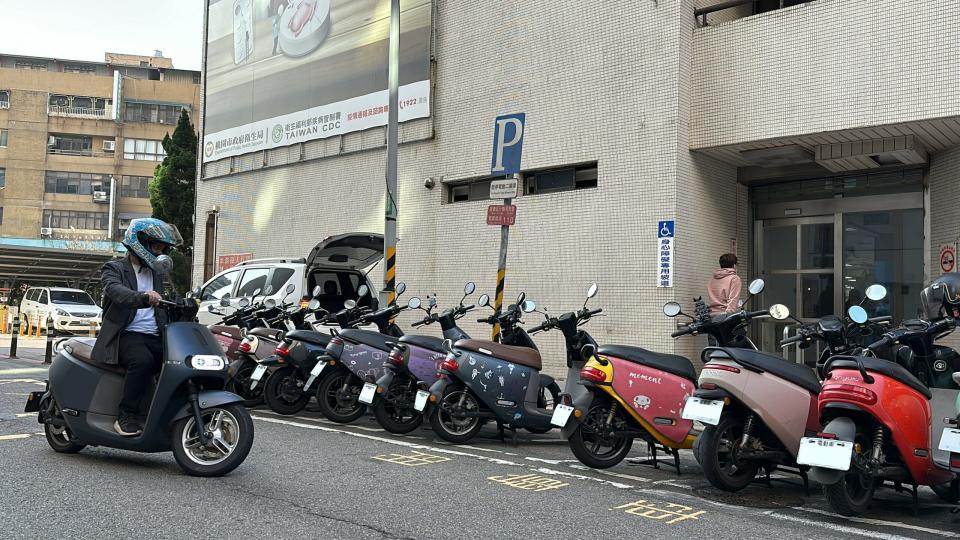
(135, 186)
(73, 145)
(196, 78)
(3, 138)
(152, 112)
(3, 178)
(73, 183)
(1, 215)
(31, 64)
(4, 99)
(143, 150)
(71, 219)
(79, 69)
(534, 183)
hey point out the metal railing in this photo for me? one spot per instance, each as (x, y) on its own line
(82, 153)
(77, 112)
(701, 13)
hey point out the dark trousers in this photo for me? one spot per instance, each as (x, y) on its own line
(142, 355)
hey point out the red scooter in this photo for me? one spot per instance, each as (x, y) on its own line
(883, 424)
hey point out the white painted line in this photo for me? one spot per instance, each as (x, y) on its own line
(609, 473)
(879, 522)
(674, 483)
(14, 437)
(834, 527)
(21, 371)
(365, 428)
(551, 461)
(565, 474)
(468, 447)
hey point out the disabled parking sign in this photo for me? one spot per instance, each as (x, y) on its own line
(665, 235)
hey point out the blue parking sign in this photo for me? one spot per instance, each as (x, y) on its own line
(507, 144)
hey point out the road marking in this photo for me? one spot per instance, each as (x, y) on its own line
(609, 473)
(28, 381)
(840, 528)
(26, 414)
(411, 460)
(545, 470)
(550, 461)
(880, 522)
(529, 482)
(22, 371)
(673, 483)
(651, 510)
(14, 437)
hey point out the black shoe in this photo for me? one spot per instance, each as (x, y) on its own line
(127, 425)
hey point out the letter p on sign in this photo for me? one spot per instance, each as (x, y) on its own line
(507, 144)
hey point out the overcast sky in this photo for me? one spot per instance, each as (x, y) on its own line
(85, 29)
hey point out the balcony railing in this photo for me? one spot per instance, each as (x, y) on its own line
(4, 104)
(77, 112)
(83, 153)
(701, 13)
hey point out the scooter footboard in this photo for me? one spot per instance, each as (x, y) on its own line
(208, 399)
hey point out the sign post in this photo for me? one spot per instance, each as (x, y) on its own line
(388, 294)
(507, 153)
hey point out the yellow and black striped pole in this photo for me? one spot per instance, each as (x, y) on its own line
(390, 275)
(501, 269)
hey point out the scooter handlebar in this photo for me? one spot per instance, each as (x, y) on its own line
(685, 331)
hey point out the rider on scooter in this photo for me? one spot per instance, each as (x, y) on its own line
(130, 334)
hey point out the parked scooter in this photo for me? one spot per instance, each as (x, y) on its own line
(80, 404)
(484, 380)
(411, 367)
(882, 424)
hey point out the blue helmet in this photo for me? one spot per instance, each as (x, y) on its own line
(145, 231)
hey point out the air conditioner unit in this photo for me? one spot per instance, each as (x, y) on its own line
(46, 231)
(51, 140)
(101, 197)
(109, 146)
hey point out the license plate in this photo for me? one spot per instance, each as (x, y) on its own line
(366, 395)
(314, 373)
(950, 440)
(703, 410)
(561, 414)
(421, 402)
(256, 376)
(826, 453)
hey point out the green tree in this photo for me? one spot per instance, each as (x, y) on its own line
(172, 192)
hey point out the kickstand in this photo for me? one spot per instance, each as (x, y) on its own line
(806, 483)
(503, 438)
(652, 449)
(766, 471)
(676, 459)
(916, 502)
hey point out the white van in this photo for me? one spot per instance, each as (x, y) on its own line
(72, 310)
(336, 264)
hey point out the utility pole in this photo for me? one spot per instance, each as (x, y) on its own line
(388, 294)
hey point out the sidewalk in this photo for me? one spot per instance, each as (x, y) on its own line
(32, 354)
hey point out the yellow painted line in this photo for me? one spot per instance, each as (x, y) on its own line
(411, 460)
(22, 371)
(669, 513)
(528, 482)
(26, 414)
(14, 437)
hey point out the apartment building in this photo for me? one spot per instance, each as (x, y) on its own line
(79, 142)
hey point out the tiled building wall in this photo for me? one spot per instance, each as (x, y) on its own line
(823, 66)
(944, 183)
(601, 85)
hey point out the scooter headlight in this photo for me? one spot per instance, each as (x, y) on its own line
(207, 362)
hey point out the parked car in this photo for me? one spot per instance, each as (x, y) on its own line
(336, 264)
(72, 310)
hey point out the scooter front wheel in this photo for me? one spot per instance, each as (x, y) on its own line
(451, 428)
(598, 444)
(231, 430)
(284, 391)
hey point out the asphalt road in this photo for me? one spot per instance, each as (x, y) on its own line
(307, 477)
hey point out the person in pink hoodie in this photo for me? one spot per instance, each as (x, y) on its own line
(724, 289)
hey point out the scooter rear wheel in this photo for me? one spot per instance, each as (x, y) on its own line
(284, 391)
(240, 384)
(597, 445)
(232, 429)
(718, 455)
(339, 404)
(58, 437)
(949, 493)
(397, 414)
(456, 430)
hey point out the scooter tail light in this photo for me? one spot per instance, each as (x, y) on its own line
(282, 350)
(395, 358)
(335, 342)
(245, 347)
(849, 392)
(825, 435)
(449, 364)
(708, 386)
(955, 461)
(592, 374)
(722, 367)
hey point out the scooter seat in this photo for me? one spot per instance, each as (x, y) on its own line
(798, 374)
(671, 363)
(80, 348)
(269, 333)
(368, 337)
(425, 342)
(881, 366)
(314, 338)
(524, 356)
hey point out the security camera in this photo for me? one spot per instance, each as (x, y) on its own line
(428, 183)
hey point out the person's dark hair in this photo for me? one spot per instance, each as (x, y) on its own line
(728, 260)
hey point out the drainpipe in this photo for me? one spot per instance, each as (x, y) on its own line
(113, 198)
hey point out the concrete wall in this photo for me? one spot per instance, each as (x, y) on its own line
(824, 66)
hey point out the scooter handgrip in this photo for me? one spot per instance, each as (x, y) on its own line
(420, 323)
(467, 308)
(791, 340)
(883, 318)
(882, 342)
(683, 332)
(593, 312)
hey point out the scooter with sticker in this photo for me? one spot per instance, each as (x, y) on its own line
(481, 380)
(189, 412)
(402, 391)
(882, 424)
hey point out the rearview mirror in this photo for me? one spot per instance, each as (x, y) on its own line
(316, 291)
(414, 303)
(211, 309)
(256, 292)
(243, 302)
(469, 287)
(224, 302)
(592, 291)
(270, 303)
(349, 304)
(313, 305)
(362, 291)
(268, 290)
(484, 300)
(401, 288)
(876, 292)
(671, 309)
(756, 286)
(857, 314)
(779, 312)
(528, 306)
(521, 297)
(290, 288)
